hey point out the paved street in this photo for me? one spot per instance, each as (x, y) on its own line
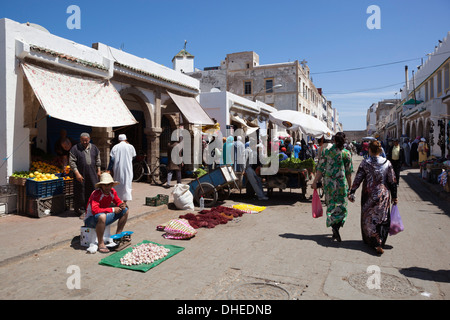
(280, 253)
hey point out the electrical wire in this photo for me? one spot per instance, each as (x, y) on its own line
(374, 66)
(365, 90)
(419, 79)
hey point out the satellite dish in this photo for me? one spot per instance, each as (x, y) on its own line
(215, 90)
(36, 26)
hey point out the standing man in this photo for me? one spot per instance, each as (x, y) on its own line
(84, 160)
(251, 174)
(406, 150)
(396, 157)
(239, 157)
(122, 155)
(174, 163)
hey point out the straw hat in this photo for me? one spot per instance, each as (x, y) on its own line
(106, 178)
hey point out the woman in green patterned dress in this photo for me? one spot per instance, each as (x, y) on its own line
(336, 168)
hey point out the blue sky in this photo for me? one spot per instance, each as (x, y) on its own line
(330, 35)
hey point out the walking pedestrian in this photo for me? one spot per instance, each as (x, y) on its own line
(396, 157)
(297, 149)
(422, 149)
(407, 151)
(84, 160)
(289, 147)
(122, 155)
(365, 149)
(336, 168)
(305, 153)
(174, 167)
(379, 187)
(324, 144)
(414, 154)
(239, 156)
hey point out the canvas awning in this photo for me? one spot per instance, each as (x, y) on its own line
(248, 130)
(191, 109)
(295, 120)
(81, 100)
(412, 102)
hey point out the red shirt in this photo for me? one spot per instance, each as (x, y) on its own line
(101, 203)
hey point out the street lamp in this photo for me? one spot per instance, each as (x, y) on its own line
(265, 90)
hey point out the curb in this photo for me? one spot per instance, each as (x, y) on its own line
(64, 241)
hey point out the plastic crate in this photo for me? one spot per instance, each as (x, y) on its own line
(42, 207)
(68, 202)
(43, 189)
(160, 199)
(68, 187)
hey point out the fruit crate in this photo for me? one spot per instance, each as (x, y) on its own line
(18, 181)
(68, 202)
(43, 189)
(160, 199)
(68, 187)
(43, 207)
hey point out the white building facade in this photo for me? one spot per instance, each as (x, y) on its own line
(425, 100)
(146, 89)
(283, 86)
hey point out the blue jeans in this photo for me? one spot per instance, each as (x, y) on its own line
(91, 222)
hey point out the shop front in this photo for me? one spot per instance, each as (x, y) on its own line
(51, 86)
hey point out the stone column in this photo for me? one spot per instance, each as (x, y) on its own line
(102, 137)
(152, 135)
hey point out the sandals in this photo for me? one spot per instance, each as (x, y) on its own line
(336, 235)
(104, 250)
(379, 250)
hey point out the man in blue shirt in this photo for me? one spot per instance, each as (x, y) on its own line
(297, 149)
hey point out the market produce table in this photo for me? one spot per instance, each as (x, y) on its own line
(288, 178)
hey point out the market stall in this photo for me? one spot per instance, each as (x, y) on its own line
(436, 171)
(294, 173)
(47, 186)
(44, 189)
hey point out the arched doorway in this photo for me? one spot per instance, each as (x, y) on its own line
(413, 131)
(420, 131)
(135, 133)
(408, 130)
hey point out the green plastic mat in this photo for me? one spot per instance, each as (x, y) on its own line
(114, 259)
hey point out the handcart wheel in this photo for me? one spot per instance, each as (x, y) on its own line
(209, 193)
(224, 193)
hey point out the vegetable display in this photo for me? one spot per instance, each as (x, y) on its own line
(144, 253)
(294, 163)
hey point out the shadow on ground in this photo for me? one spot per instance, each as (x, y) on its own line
(325, 241)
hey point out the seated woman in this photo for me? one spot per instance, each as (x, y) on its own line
(100, 214)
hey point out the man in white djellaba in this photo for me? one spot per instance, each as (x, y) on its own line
(122, 155)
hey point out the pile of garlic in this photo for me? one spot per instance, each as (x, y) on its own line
(144, 253)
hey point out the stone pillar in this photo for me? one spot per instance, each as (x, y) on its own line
(102, 137)
(152, 135)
